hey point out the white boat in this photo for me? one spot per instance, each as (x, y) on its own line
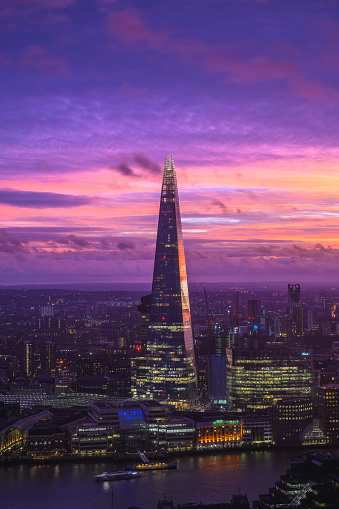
(116, 476)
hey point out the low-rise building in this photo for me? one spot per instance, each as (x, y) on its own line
(218, 433)
(291, 417)
(93, 439)
(46, 439)
(257, 430)
(172, 434)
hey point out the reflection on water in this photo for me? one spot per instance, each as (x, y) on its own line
(201, 478)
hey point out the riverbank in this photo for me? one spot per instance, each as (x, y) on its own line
(118, 457)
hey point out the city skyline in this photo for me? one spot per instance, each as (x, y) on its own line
(244, 94)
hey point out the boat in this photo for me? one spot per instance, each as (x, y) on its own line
(153, 465)
(117, 476)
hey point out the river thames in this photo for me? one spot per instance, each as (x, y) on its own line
(207, 478)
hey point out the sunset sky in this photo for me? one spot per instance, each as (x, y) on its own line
(94, 93)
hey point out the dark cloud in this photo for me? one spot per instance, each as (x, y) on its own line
(41, 200)
(144, 163)
(92, 244)
(54, 229)
(105, 243)
(286, 252)
(253, 263)
(250, 194)
(220, 204)
(126, 245)
(11, 244)
(147, 164)
(124, 169)
(73, 240)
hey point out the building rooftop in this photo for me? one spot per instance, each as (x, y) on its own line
(150, 403)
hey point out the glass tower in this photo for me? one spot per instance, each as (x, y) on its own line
(170, 350)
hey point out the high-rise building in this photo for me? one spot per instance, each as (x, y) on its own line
(47, 357)
(294, 310)
(293, 295)
(170, 349)
(253, 309)
(216, 361)
(139, 365)
(27, 358)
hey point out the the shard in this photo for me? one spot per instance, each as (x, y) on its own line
(170, 350)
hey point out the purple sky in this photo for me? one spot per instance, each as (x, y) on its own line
(244, 93)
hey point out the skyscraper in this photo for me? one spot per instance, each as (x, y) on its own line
(170, 350)
(294, 310)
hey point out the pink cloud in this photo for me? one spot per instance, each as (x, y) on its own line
(129, 28)
(37, 58)
(16, 11)
(32, 4)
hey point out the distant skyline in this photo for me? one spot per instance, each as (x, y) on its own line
(94, 93)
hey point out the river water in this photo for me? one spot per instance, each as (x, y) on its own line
(207, 478)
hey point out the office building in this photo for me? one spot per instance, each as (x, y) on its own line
(291, 417)
(327, 410)
(257, 429)
(258, 378)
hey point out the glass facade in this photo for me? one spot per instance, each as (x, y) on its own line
(257, 379)
(170, 350)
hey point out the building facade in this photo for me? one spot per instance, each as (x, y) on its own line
(257, 430)
(218, 433)
(258, 378)
(291, 417)
(327, 410)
